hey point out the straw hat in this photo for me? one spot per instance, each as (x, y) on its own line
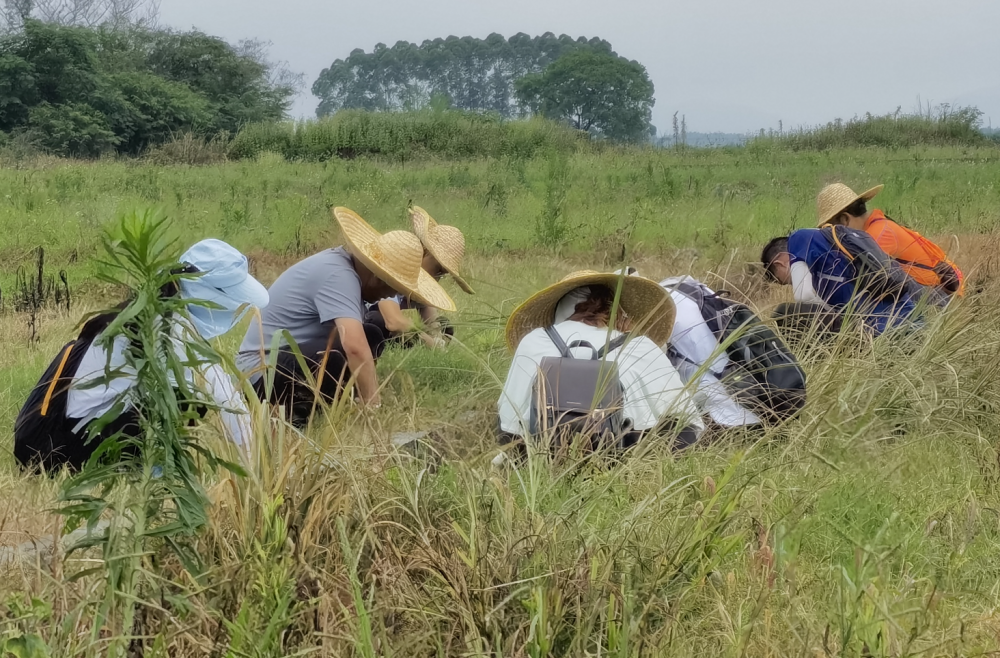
(445, 243)
(836, 198)
(646, 302)
(394, 257)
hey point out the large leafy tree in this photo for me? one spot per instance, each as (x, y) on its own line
(601, 93)
(84, 91)
(474, 74)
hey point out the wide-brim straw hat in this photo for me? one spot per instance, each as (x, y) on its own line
(647, 303)
(836, 198)
(445, 243)
(394, 257)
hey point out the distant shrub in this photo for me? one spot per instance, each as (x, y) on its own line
(73, 129)
(403, 136)
(950, 127)
(190, 149)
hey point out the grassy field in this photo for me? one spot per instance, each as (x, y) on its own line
(869, 526)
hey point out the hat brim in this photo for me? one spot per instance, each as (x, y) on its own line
(250, 291)
(358, 234)
(422, 224)
(867, 195)
(648, 304)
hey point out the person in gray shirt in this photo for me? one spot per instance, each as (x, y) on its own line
(319, 302)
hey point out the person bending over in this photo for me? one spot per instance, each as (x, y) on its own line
(582, 311)
(924, 261)
(84, 383)
(827, 283)
(444, 249)
(319, 302)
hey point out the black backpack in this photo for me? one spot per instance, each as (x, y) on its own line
(578, 396)
(876, 273)
(762, 375)
(42, 438)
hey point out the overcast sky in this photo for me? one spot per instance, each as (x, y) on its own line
(727, 65)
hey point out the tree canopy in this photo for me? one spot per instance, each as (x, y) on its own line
(82, 91)
(474, 74)
(598, 92)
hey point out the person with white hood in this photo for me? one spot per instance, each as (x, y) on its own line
(699, 358)
(52, 427)
(631, 318)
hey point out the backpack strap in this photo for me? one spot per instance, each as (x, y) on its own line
(559, 342)
(55, 378)
(613, 345)
(582, 343)
(910, 263)
(838, 243)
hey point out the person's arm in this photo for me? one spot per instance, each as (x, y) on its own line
(428, 314)
(802, 285)
(234, 415)
(359, 358)
(395, 321)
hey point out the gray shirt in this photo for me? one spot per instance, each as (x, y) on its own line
(305, 300)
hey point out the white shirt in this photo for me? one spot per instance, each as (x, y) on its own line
(802, 284)
(705, 360)
(91, 403)
(653, 389)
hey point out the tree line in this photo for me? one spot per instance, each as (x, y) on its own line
(82, 78)
(581, 82)
(84, 91)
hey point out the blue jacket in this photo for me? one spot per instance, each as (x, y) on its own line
(833, 277)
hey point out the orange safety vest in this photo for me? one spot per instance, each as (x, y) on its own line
(919, 257)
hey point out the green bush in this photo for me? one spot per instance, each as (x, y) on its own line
(958, 127)
(128, 90)
(405, 135)
(74, 129)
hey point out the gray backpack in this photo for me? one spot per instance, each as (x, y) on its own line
(578, 396)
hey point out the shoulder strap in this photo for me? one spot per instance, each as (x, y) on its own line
(838, 243)
(910, 263)
(559, 342)
(613, 345)
(55, 378)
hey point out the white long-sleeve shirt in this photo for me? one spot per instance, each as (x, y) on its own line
(705, 360)
(802, 284)
(653, 388)
(89, 403)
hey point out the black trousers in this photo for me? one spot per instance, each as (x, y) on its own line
(291, 387)
(804, 317)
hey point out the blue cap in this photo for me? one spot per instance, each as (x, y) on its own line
(225, 280)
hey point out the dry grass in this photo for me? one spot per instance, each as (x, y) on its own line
(866, 527)
(862, 528)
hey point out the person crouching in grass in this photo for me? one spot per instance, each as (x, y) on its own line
(924, 261)
(320, 302)
(444, 249)
(580, 317)
(84, 383)
(827, 283)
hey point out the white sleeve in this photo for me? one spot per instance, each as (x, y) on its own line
(514, 405)
(88, 402)
(235, 416)
(802, 285)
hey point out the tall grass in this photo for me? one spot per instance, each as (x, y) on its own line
(404, 136)
(865, 527)
(949, 127)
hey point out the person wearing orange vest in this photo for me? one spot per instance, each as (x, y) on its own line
(924, 261)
